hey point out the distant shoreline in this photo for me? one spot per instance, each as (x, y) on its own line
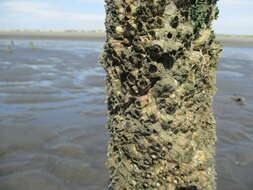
(54, 35)
(236, 41)
(226, 40)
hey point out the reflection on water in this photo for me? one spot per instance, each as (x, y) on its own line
(53, 115)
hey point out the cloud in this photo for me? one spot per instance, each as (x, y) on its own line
(237, 25)
(236, 2)
(44, 10)
(25, 6)
(235, 15)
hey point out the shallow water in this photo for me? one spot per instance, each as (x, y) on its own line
(53, 115)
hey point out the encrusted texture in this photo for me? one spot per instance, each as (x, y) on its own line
(160, 57)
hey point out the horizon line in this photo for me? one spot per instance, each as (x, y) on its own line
(94, 30)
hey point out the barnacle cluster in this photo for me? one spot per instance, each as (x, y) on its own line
(160, 57)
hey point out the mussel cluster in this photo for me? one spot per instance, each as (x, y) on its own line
(160, 57)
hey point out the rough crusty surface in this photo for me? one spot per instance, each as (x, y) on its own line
(160, 57)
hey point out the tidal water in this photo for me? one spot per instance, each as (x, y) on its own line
(53, 116)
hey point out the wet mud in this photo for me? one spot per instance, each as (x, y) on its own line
(53, 116)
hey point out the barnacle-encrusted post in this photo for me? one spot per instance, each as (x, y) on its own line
(160, 57)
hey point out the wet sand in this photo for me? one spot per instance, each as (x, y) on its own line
(237, 41)
(53, 116)
(56, 35)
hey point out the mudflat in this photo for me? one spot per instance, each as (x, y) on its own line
(244, 41)
(53, 115)
(226, 40)
(54, 35)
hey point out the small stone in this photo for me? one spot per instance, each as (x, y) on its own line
(239, 100)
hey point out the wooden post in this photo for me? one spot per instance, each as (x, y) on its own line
(160, 58)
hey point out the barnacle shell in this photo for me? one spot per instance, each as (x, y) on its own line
(160, 58)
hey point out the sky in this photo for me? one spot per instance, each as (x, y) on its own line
(236, 16)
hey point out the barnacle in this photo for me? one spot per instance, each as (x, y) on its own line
(160, 57)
